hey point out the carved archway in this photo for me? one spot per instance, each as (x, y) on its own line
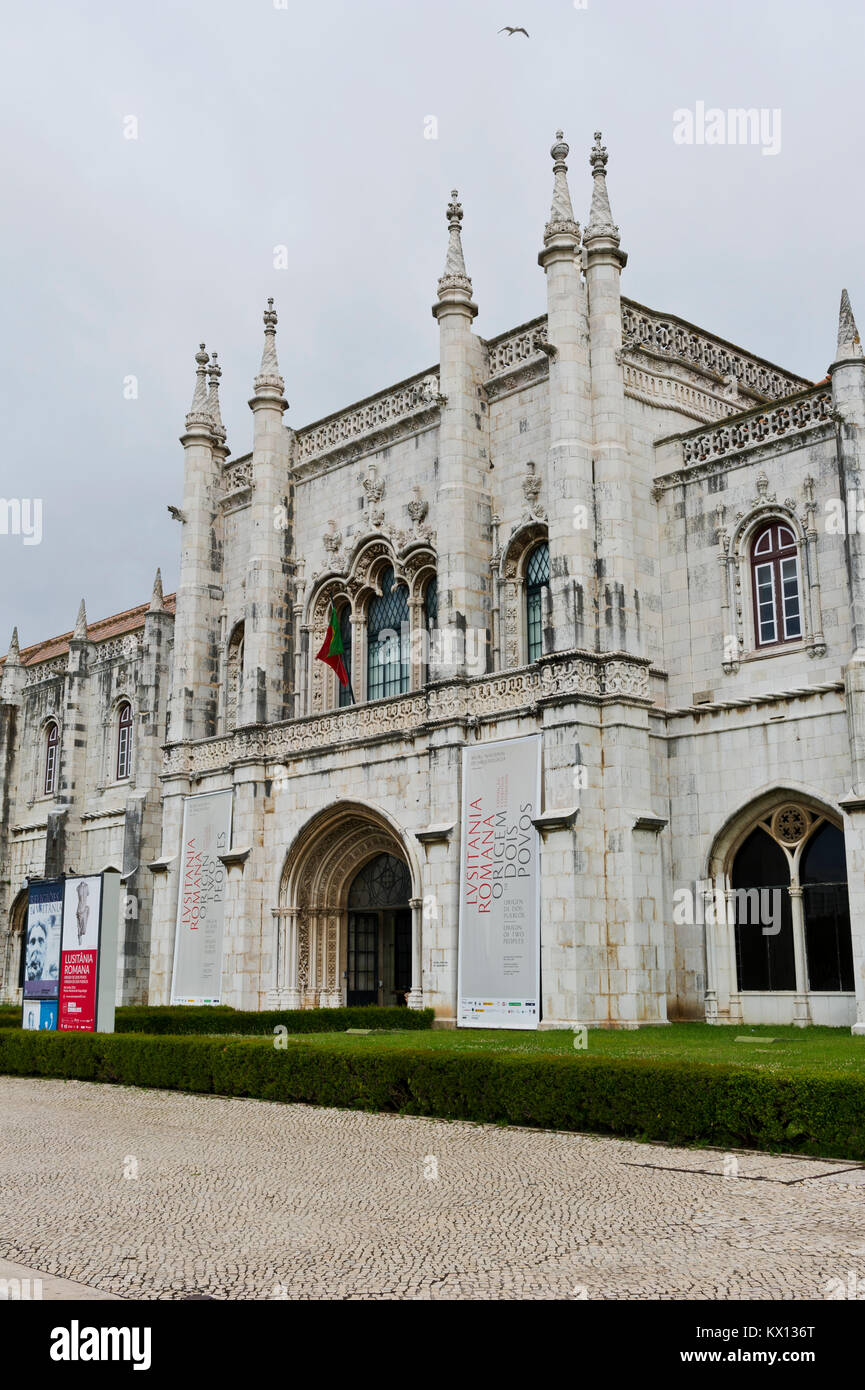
(311, 919)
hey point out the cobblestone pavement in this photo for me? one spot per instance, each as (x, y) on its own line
(152, 1194)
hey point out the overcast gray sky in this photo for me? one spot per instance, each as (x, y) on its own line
(304, 126)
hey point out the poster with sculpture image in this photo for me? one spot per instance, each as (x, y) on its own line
(499, 958)
(79, 963)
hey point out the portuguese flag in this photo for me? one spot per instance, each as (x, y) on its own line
(333, 652)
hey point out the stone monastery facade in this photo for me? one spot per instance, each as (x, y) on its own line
(605, 527)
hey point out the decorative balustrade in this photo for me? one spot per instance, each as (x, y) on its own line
(46, 670)
(583, 676)
(758, 427)
(669, 338)
(393, 408)
(519, 346)
(237, 477)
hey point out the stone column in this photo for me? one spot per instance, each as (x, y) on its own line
(735, 1004)
(801, 1011)
(414, 999)
(331, 983)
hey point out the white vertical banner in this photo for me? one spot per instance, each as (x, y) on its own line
(499, 970)
(197, 976)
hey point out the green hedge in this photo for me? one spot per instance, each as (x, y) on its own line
(179, 1019)
(671, 1100)
(216, 1019)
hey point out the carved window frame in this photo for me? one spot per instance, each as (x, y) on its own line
(124, 741)
(50, 757)
(739, 633)
(233, 682)
(513, 644)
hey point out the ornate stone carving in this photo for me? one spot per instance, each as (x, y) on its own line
(418, 507)
(332, 539)
(533, 511)
(372, 485)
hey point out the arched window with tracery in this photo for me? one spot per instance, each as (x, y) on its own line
(776, 585)
(537, 587)
(789, 877)
(52, 741)
(123, 761)
(388, 644)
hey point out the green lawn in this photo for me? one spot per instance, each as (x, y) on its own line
(833, 1048)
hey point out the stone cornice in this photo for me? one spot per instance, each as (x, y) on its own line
(744, 701)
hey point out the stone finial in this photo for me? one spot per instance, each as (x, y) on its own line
(80, 633)
(454, 276)
(600, 225)
(13, 656)
(849, 342)
(561, 221)
(269, 379)
(157, 601)
(198, 413)
(214, 372)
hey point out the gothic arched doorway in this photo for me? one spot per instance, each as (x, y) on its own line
(378, 968)
(349, 914)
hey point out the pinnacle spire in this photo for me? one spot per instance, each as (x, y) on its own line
(157, 602)
(198, 412)
(849, 342)
(268, 372)
(455, 263)
(13, 656)
(454, 285)
(561, 213)
(214, 372)
(80, 633)
(600, 224)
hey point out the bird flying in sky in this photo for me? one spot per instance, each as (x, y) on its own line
(514, 29)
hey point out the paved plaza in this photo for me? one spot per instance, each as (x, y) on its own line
(155, 1195)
